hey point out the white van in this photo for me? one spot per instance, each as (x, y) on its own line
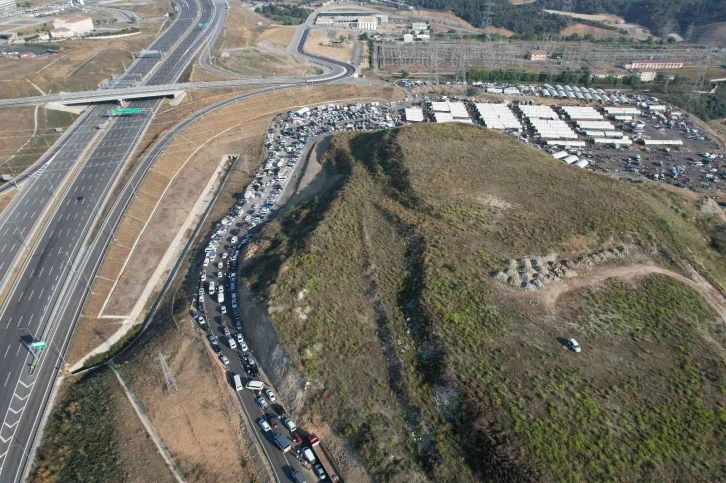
(220, 297)
(309, 456)
(237, 382)
(254, 385)
(232, 343)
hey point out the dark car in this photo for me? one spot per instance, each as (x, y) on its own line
(278, 409)
(217, 349)
(273, 419)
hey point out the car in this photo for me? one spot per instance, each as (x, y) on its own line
(572, 345)
(319, 471)
(243, 347)
(272, 419)
(225, 331)
(237, 324)
(290, 424)
(240, 339)
(278, 409)
(204, 276)
(220, 265)
(297, 477)
(206, 262)
(225, 255)
(224, 359)
(232, 344)
(234, 240)
(264, 425)
(270, 395)
(298, 439)
(217, 349)
(262, 403)
(223, 309)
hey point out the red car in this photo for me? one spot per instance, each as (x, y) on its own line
(313, 439)
(296, 436)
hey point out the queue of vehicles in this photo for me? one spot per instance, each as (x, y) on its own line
(285, 144)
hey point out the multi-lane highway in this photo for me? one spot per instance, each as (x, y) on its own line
(39, 294)
(45, 299)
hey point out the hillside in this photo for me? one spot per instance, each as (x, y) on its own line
(381, 293)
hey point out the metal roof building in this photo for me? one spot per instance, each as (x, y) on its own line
(414, 114)
(497, 116)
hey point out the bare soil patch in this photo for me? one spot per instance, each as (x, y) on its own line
(313, 44)
(582, 30)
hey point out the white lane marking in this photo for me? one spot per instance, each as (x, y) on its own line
(6, 350)
(6, 381)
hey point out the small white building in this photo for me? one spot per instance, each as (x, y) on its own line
(71, 26)
(423, 37)
(419, 26)
(367, 23)
(407, 38)
(382, 18)
(647, 75)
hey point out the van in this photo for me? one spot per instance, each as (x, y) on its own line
(255, 385)
(232, 344)
(309, 456)
(237, 382)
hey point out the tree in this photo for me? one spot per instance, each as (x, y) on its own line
(405, 74)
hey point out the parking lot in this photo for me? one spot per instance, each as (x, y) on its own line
(662, 143)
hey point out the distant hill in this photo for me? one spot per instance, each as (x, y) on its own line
(712, 34)
(659, 16)
(396, 294)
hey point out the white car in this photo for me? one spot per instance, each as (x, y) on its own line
(204, 276)
(289, 423)
(262, 403)
(206, 262)
(224, 255)
(234, 240)
(264, 424)
(240, 339)
(220, 265)
(270, 395)
(572, 345)
(223, 309)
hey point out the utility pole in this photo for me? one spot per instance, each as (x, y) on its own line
(169, 378)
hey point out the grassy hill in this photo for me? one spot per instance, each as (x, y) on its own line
(381, 291)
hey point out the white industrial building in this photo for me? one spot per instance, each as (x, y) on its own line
(538, 112)
(414, 114)
(71, 27)
(585, 113)
(596, 125)
(622, 111)
(441, 116)
(419, 26)
(7, 6)
(552, 129)
(497, 116)
(456, 111)
(367, 23)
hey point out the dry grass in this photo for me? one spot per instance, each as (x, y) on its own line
(6, 198)
(582, 30)
(316, 36)
(94, 434)
(80, 65)
(422, 361)
(20, 145)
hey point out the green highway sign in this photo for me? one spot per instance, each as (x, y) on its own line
(39, 345)
(126, 111)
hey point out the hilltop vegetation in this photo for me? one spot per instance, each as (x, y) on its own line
(380, 290)
(660, 16)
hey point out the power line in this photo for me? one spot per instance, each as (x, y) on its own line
(169, 378)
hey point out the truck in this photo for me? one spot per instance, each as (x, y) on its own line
(322, 457)
(282, 443)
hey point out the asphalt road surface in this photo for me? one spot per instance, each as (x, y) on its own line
(37, 297)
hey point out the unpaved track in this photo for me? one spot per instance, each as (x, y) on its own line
(548, 297)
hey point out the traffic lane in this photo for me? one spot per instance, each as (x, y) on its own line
(236, 365)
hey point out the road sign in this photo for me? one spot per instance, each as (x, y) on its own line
(39, 345)
(126, 112)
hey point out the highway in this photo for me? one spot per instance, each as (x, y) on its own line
(45, 300)
(37, 296)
